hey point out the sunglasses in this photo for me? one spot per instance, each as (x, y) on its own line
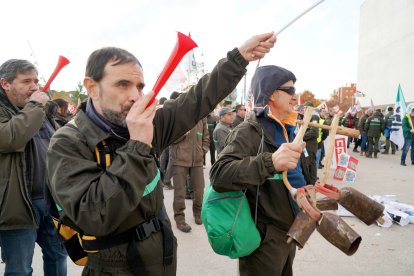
(288, 89)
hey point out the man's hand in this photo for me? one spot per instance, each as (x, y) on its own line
(258, 46)
(40, 97)
(412, 130)
(139, 119)
(287, 156)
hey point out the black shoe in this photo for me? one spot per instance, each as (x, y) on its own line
(369, 156)
(384, 152)
(403, 164)
(355, 150)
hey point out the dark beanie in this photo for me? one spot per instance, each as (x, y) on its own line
(266, 80)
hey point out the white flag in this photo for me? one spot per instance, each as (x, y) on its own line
(359, 94)
(396, 129)
(322, 106)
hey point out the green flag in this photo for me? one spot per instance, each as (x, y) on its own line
(399, 113)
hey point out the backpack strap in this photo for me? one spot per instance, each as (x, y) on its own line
(103, 154)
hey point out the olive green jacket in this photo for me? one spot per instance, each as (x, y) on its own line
(239, 166)
(129, 191)
(189, 150)
(17, 128)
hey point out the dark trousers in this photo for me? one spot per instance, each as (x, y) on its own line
(357, 143)
(212, 151)
(373, 145)
(364, 142)
(273, 257)
(166, 165)
(407, 144)
(17, 246)
(389, 143)
(311, 164)
(197, 185)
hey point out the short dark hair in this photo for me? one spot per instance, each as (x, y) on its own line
(390, 108)
(162, 100)
(61, 102)
(12, 67)
(239, 106)
(174, 95)
(99, 58)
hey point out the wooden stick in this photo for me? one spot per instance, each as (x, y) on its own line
(330, 151)
(298, 139)
(351, 132)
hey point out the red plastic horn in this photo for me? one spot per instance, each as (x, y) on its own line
(183, 45)
(62, 62)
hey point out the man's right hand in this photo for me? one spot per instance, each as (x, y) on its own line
(287, 155)
(139, 119)
(40, 97)
(257, 46)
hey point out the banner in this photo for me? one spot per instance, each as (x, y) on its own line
(359, 94)
(322, 106)
(346, 168)
(358, 106)
(339, 148)
(399, 112)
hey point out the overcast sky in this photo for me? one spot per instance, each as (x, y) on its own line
(320, 48)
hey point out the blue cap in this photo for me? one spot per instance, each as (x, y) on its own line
(266, 80)
(225, 110)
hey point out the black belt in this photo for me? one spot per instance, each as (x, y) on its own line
(132, 237)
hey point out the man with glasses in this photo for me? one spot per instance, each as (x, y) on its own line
(240, 114)
(256, 153)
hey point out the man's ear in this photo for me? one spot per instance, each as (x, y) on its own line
(4, 84)
(274, 96)
(91, 87)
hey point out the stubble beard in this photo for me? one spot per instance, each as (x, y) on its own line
(117, 118)
(19, 100)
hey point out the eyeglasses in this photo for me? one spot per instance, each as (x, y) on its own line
(288, 89)
(243, 109)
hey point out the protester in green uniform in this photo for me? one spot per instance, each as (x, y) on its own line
(127, 195)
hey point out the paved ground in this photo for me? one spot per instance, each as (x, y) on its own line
(383, 251)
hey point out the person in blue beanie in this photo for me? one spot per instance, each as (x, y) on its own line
(255, 154)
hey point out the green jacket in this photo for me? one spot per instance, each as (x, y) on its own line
(375, 125)
(17, 128)
(104, 203)
(189, 150)
(407, 125)
(239, 167)
(361, 123)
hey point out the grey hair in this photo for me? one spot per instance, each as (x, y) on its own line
(12, 67)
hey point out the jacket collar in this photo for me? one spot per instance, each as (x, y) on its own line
(93, 134)
(5, 101)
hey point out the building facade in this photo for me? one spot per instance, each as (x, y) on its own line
(385, 54)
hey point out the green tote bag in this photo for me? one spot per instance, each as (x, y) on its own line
(229, 224)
